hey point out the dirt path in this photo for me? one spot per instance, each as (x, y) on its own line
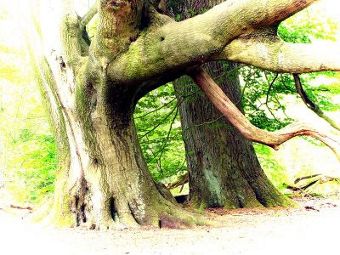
(254, 232)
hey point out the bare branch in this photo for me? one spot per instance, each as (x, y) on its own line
(249, 131)
(316, 179)
(270, 87)
(85, 20)
(272, 53)
(181, 181)
(310, 104)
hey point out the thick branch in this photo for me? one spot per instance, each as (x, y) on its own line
(273, 54)
(193, 41)
(310, 104)
(72, 39)
(119, 22)
(249, 131)
(85, 20)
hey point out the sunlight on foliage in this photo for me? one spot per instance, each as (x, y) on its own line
(28, 153)
(159, 131)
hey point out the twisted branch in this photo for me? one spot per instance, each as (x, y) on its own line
(249, 131)
(310, 104)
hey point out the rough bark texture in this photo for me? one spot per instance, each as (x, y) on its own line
(223, 168)
(103, 180)
(92, 91)
(268, 51)
(273, 139)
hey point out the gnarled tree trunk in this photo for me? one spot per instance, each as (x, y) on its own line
(92, 90)
(103, 180)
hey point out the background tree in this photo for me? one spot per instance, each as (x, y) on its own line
(223, 168)
(91, 91)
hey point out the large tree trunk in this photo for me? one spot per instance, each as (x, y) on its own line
(103, 180)
(223, 168)
(91, 91)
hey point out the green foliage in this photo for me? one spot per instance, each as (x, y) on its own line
(159, 131)
(262, 100)
(36, 156)
(302, 28)
(273, 169)
(293, 35)
(27, 148)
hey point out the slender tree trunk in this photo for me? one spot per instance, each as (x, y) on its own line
(223, 168)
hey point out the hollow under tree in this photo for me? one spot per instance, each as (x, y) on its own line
(91, 91)
(223, 168)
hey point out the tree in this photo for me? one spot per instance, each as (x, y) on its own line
(92, 86)
(223, 168)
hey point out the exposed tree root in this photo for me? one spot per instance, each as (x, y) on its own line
(249, 131)
(117, 214)
(182, 218)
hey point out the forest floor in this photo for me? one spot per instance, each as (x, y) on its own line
(311, 229)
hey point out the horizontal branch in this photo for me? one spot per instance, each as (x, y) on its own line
(274, 54)
(177, 45)
(249, 131)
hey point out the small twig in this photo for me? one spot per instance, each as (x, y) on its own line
(305, 177)
(207, 122)
(159, 123)
(267, 96)
(155, 110)
(270, 87)
(21, 208)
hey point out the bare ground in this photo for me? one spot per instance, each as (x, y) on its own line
(312, 229)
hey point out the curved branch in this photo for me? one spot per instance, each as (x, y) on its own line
(85, 20)
(310, 104)
(249, 131)
(274, 54)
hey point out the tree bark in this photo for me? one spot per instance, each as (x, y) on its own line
(103, 181)
(92, 91)
(223, 168)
